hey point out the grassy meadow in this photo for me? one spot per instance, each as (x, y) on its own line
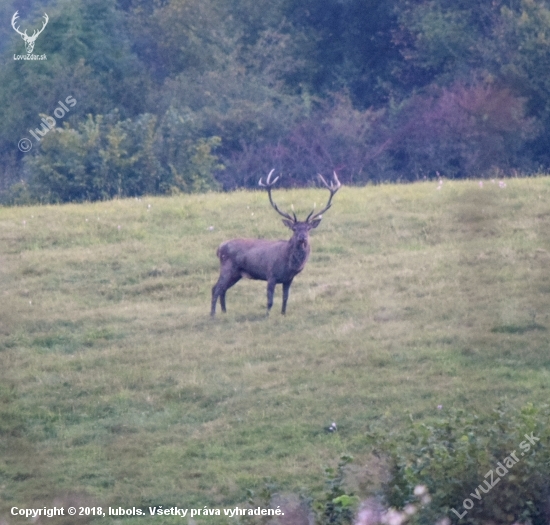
(116, 387)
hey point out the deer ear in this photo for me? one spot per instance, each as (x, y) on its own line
(314, 223)
(288, 224)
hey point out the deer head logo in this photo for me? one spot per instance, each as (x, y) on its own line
(29, 40)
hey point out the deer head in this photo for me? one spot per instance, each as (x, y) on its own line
(29, 40)
(301, 228)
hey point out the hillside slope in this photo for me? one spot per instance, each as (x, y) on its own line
(117, 388)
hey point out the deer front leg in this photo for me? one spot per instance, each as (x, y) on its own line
(286, 291)
(270, 291)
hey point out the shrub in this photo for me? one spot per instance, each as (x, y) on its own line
(460, 131)
(335, 136)
(335, 506)
(106, 157)
(455, 458)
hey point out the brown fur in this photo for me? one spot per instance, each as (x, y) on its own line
(276, 262)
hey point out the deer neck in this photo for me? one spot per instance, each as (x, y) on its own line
(298, 254)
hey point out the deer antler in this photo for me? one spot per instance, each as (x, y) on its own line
(13, 19)
(333, 187)
(29, 39)
(44, 24)
(268, 185)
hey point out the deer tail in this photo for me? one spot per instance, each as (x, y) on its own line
(220, 250)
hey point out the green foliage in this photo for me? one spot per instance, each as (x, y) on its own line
(525, 44)
(505, 47)
(460, 130)
(263, 498)
(19, 194)
(192, 36)
(456, 457)
(106, 157)
(349, 45)
(456, 87)
(333, 134)
(335, 506)
(442, 40)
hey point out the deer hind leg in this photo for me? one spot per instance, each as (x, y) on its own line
(232, 282)
(227, 280)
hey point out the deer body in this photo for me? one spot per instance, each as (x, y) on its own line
(276, 262)
(263, 260)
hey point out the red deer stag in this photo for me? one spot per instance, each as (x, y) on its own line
(276, 262)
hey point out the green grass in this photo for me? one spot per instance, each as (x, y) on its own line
(116, 388)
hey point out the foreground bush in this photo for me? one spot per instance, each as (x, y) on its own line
(460, 469)
(475, 469)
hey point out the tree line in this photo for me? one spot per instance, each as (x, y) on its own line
(191, 95)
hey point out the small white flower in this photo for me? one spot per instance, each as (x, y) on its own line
(410, 509)
(443, 521)
(426, 499)
(370, 513)
(118, 227)
(420, 490)
(481, 184)
(393, 517)
(210, 228)
(439, 407)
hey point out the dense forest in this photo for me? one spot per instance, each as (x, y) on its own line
(141, 97)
